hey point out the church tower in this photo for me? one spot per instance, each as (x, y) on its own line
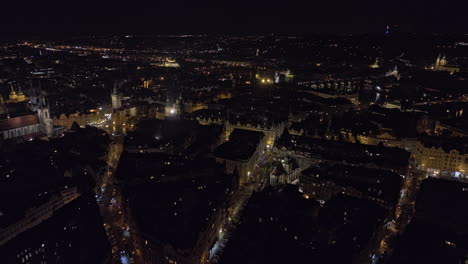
(173, 104)
(43, 112)
(179, 105)
(13, 95)
(116, 98)
(172, 110)
(443, 61)
(21, 97)
(437, 64)
(376, 64)
(39, 104)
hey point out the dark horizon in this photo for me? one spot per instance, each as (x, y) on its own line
(240, 17)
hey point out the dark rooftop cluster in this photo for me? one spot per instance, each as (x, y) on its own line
(240, 146)
(282, 226)
(341, 151)
(176, 212)
(378, 183)
(65, 237)
(446, 143)
(161, 133)
(32, 172)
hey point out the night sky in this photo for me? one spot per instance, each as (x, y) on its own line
(229, 16)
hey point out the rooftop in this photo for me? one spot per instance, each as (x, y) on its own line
(159, 166)
(18, 122)
(355, 153)
(378, 183)
(31, 172)
(281, 226)
(176, 212)
(446, 143)
(157, 133)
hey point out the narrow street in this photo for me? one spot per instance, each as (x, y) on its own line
(241, 198)
(382, 244)
(110, 201)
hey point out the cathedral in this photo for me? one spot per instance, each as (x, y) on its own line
(441, 64)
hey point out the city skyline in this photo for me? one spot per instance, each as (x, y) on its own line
(184, 132)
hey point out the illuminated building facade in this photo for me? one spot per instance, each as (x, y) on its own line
(272, 132)
(376, 64)
(82, 119)
(173, 110)
(116, 98)
(441, 64)
(20, 126)
(190, 106)
(14, 97)
(337, 85)
(448, 158)
(388, 140)
(147, 83)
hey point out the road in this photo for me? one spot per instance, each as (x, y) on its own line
(381, 245)
(110, 202)
(241, 198)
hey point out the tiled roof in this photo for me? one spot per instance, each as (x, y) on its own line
(17, 122)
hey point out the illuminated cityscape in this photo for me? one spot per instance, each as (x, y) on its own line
(205, 133)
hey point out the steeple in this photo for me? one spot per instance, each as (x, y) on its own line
(443, 61)
(375, 65)
(115, 90)
(13, 95)
(21, 97)
(179, 98)
(116, 98)
(45, 119)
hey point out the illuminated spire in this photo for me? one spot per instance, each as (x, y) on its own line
(13, 95)
(443, 61)
(375, 64)
(21, 97)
